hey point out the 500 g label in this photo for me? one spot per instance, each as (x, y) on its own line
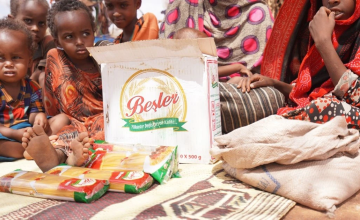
(191, 157)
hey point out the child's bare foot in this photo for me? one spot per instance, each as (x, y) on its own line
(37, 144)
(80, 150)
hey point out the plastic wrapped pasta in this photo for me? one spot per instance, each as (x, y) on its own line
(43, 185)
(124, 147)
(117, 160)
(160, 162)
(120, 181)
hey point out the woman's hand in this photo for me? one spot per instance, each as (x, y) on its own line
(322, 26)
(253, 81)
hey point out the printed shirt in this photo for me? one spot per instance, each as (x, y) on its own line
(28, 101)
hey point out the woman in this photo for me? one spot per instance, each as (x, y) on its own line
(319, 47)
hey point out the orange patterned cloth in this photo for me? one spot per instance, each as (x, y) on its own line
(76, 93)
(146, 28)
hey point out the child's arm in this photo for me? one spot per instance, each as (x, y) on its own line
(321, 28)
(242, 82)
(36, 108)
(234, 68)
(39, 118)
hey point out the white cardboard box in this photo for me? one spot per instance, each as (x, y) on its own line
(162, 92)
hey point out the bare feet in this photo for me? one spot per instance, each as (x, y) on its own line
(80, 150)
(27, 155)
(38, 146)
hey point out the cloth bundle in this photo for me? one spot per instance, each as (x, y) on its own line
(313, 164)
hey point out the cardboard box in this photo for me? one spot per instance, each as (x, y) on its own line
(162, 92)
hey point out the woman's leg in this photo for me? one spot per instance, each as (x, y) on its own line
(323, 110)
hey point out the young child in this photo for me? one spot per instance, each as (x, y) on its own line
(33, 14)
(225, 70)
(21, 103)
(123, 13)
(72, 86)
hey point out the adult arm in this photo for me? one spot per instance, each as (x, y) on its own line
(243, 82)
(257, 80)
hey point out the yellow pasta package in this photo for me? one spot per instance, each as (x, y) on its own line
(43, 185)
(117, 160)
(160, 162)
(120, 181)
(100, 145)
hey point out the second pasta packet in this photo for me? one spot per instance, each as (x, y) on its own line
(120, 181)
(160, 162)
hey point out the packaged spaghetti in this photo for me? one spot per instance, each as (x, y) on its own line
(161, 162)
(43, 185)
(120, 181)
(124, 147)
(117, 160)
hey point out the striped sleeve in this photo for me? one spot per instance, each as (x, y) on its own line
(36, 104)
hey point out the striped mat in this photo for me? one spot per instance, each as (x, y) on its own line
(203, 192)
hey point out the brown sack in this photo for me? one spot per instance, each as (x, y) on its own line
(284, 141)
(320, 185)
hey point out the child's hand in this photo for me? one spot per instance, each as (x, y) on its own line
(322, 26)
(40, 119)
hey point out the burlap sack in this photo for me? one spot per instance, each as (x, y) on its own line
(284, 141)
(320, 185)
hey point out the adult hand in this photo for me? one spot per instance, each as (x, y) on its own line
(322, 26)
(258, 80)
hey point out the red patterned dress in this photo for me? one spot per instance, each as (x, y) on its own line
(74, 92)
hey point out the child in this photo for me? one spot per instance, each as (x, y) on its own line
(123, 13)
(21, 104)
(223, 71)
(33, 14)
(72, 85)
(327, 83)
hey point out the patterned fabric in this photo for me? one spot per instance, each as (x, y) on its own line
(344, 102)
(312, 77)
(203, 192)
(39, 57)
(146, 28)
(74, 92)
(28, 101)
(240, 28)
(239, 109)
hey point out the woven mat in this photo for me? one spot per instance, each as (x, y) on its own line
(203, 192)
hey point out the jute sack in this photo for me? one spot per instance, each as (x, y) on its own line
(285, 141)
(320, 185)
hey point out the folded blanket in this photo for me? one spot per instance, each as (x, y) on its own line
(275, 139)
